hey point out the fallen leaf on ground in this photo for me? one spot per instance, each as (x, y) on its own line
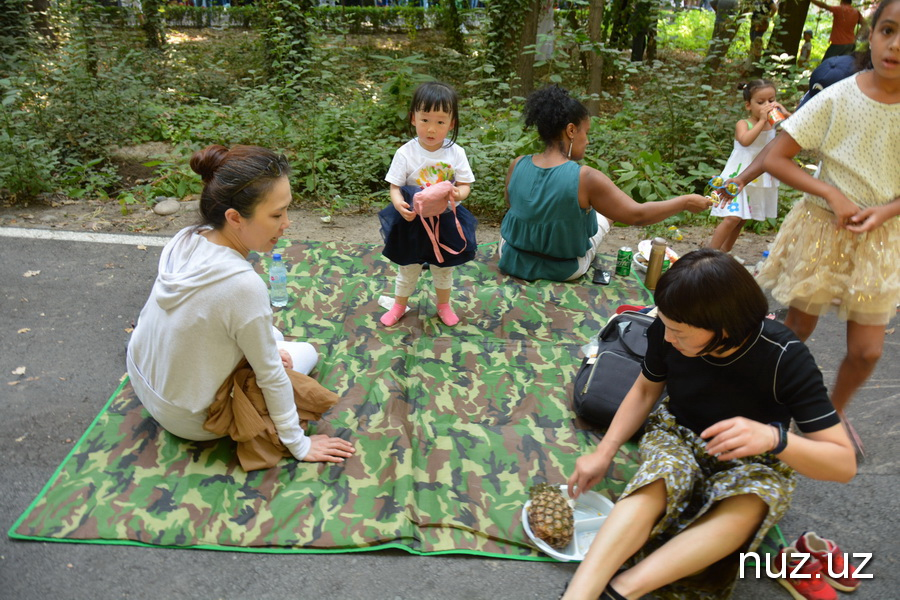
(21, 438)
(890, 331)
(141, 247)
(12, 383)
(18, 371)
(23, 330)
(129, 329)
(30, 273)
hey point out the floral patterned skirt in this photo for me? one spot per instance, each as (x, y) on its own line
(695, 481)
(814, 266)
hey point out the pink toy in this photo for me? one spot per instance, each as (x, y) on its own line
(429, 204)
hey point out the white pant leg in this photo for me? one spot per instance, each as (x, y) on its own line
(585, 261)
(407, 277)
(303, 354)
(443, 277)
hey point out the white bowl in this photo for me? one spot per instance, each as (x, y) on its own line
(590, 511)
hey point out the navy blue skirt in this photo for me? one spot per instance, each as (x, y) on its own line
(407, 242)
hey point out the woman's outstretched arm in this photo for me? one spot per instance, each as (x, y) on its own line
(598, 191)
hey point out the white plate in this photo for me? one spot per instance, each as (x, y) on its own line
(644, 249)
(591, 510)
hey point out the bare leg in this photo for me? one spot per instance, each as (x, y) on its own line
(735, 234)
(864, 346)
(715, 535)
(626, 529)
(724, 231)
(801, 323)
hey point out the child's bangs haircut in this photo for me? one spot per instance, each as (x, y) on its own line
(436, 95)
(708, 289)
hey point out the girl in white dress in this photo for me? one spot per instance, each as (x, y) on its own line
(759, 199)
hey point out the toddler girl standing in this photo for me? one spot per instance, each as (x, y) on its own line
(840, 245)
(428, 159)
(759, 200)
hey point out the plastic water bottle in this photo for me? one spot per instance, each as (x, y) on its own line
(760, 264)
(278, 282)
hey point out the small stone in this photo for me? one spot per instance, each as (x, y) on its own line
(190, 205)
(168, 206)
(49, 219)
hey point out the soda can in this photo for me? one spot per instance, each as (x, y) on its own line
(776, 117)
(623, 261)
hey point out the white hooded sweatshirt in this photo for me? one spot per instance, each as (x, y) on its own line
(208, 309)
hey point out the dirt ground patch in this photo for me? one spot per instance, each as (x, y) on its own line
(59, 212)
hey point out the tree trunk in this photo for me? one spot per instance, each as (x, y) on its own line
(453, 26)
(789, 31)
(40, 17)
(727, 13)
(595, 59)
(153, 24)
(523, 83)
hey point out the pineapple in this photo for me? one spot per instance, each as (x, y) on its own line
(550, 516)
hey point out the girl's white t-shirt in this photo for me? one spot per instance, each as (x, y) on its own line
(857, 139)
(414, 165)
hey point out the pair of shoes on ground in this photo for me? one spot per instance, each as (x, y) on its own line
(444, 311)
(824, 570)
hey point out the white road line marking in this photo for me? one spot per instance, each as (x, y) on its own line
(79, 236)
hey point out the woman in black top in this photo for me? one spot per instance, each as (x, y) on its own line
(718, 463)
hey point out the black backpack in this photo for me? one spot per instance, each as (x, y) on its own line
(601, 384)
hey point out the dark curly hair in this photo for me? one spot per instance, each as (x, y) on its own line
(551, 109)
(236, 178)
(710, 290)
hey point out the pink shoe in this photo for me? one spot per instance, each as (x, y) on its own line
(447, 315)
(806, 582)
(838, 573)
(390, 318)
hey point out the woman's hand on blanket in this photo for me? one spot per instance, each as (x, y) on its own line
(286, 359)
(328, 449)
(738, 437)
(589, 470)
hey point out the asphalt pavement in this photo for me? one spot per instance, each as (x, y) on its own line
(66, 325)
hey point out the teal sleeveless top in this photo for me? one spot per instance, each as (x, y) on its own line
(545, 229)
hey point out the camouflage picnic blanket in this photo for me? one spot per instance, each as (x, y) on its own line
(451, 425)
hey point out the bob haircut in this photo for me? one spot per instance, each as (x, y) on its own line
(710, 290)
(435, 95)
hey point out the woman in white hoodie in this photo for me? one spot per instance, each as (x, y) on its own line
(209, 309)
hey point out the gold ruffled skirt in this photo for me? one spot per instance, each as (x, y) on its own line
(814, 267)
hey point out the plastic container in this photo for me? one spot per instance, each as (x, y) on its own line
(760, 264)
(278, 293)
(590, 512)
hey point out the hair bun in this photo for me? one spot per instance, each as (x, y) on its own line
(205, 162)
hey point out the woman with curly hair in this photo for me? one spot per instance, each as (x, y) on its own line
(560, 210)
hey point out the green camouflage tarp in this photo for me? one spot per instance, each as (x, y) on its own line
(451, 425)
